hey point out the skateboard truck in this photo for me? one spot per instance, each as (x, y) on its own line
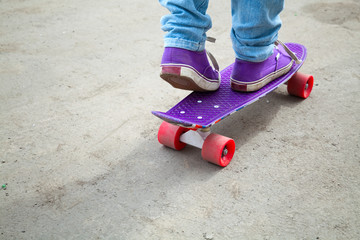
(215, 148)
(195, 138)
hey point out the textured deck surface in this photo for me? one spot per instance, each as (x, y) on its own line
(203, 109)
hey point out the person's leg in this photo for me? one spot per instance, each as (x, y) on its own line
(255, 26)
(186, 25)
(184, 63)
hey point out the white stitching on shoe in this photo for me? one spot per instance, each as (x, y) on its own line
(277, 60)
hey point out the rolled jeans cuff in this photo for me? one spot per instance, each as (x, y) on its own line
(253, 53)
(184, 44)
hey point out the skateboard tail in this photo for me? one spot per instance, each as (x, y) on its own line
(173, 120)
(185, 124)
(182, 123)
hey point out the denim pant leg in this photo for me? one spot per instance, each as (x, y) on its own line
(255, 26)
(187, 24)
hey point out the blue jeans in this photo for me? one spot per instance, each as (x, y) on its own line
(255, 26)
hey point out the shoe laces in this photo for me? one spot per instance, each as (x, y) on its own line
(277, 42)
(291, 53)
(211, 57)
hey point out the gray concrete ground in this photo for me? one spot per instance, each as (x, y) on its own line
(78, 145)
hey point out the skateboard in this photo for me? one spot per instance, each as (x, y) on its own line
(189, 122)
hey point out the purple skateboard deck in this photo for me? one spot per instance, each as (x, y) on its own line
(204, 109)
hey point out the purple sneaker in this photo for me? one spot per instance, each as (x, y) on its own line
(189, 70)
(251, 76)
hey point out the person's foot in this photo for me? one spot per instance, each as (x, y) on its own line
(251, 76)
(189, 70)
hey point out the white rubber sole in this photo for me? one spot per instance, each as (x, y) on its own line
(187, 78)
(256, 85)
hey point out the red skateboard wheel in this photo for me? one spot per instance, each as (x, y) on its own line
(300, 85)
(218, 149)
(169, 135)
